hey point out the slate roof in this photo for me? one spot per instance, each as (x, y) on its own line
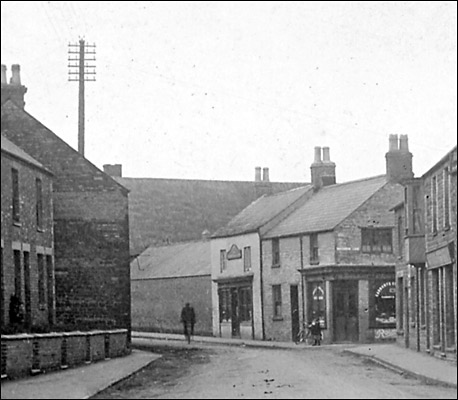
(179, 210)
(10, 148)
(328, 207)
(177, 260)
(260, 212)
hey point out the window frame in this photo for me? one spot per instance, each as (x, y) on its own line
(247, 259)
(276, 252)
(277, 302)
(222, 260)
(368, 239)
(16, 203)
(314, 249)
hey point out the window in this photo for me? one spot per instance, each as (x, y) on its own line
(417, 211)
(276, 297)
(382, 304)
(434, 203)
(2, 282)
(245, 300)
(39, 204)
(15, 193)
(247, 259)
(400, 227)
(225, 311)
(314, 256)
(377, 240)
(400, 309)
(41, 279)
(17, 274)
(222, 260)
(446, 199)
(275, 252)
(316, 294)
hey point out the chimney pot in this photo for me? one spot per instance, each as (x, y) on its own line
(3, 74)
(206, 235)
(326, 156)
(317, 154)
(394, 143)
(257, 174)
(403, 143)
(15, 75)
(265, 174)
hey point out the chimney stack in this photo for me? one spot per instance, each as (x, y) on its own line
(398, 159)
(257, 174)
(265, 174)
(206, 235)
(13, 90)
(323, 170)
(3, 74)
(114, 170)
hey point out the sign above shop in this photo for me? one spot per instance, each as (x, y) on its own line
(234, 253)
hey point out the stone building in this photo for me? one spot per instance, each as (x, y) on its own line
(91, 225)
(426, 267)
(27, 250)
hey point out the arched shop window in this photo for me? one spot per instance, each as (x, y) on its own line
(317, 302)
(382, 304)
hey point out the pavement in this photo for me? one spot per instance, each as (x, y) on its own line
(85, 381)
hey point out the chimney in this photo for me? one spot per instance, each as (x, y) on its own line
(398, 159)
(257, 174)
(14, 90)
(206, 235)
(323, 170)
(263, 186)
(114, 170)
(265, 174)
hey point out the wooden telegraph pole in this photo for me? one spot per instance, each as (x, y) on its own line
(80, 56)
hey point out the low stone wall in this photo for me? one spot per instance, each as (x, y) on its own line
(28, 354)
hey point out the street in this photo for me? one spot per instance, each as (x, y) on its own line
(214, 371)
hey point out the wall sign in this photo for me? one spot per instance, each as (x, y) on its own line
(234, 253)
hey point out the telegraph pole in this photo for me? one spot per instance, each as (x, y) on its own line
(80, 56)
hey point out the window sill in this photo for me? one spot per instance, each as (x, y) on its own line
(18, 224)
(275, 265)
(40, 230)
(277, 319)
(314, 262)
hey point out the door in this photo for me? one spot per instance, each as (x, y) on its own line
(27, 291)
(345, 305)
(234, 312)
(294, 311)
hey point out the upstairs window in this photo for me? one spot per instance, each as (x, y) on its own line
(434, 203)
(15, 195)
(446, 198)
(275, 252)
(222, 260)
(376, 240)
(314, 255)
(247, 259)
(39, 203)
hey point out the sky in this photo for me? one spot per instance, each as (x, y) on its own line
(210, 90)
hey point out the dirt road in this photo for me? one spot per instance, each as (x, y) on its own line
(218, 372)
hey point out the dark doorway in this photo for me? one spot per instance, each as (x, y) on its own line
(345, 304)
(234, 316)
(294, 294)
(27, 291)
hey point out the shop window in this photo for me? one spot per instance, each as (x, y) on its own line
(314, 255)
(225, 311)
(277, 304)
(376, 240)
(17, 274)
(275, 252)
(449, 314)
(245, 304)
(382, 304)
(400, 309)
(222, 260)
(247, 259)
(317, 302)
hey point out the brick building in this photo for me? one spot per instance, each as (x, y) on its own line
(331, 258)
(91, 225)
(27, 250)
(164, 278)
(426, 267)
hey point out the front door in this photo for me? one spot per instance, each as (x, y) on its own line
(294, 311)
(234, 313)
(345, 305)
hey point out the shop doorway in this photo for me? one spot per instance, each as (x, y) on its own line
(345, 306)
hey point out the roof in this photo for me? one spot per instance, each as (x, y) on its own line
(179, 210)
(67, 164)
(328, 207)
(10, 148)
(173, 261)
(260, 212)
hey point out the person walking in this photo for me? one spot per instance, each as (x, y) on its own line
(315, 331)
(188, 318)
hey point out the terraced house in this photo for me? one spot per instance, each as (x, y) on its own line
(426, 267)
(331, 257)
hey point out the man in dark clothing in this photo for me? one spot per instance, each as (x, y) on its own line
(315, 331)
(188, 318)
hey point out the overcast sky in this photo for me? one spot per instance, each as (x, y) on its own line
(210, 90)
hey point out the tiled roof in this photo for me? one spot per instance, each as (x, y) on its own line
(14, 150)
(260, 212)
(180, 210)
(328, 207)
(177, 260)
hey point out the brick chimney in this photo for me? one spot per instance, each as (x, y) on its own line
(113, 169)
(14, 90)
(263, 186)
(323, 170)
(398, 159)
(206, 235)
